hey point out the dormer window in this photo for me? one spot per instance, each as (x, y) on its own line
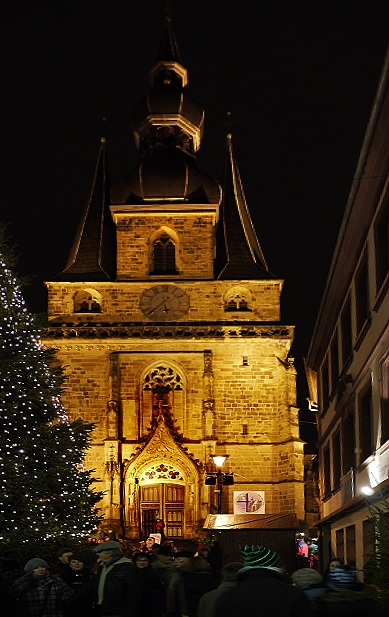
(164, 255)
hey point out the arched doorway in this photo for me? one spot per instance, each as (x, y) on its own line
(162, 481)
(166, 501)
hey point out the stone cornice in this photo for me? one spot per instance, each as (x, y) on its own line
(177, 331)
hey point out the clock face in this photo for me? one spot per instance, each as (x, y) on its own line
(164, 303)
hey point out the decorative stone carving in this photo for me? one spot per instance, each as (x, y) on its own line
(178, 332)
(112, 419)
(161, 471)
(208, 402)
(113, 403)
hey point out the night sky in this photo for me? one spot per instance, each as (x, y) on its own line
(298, 77)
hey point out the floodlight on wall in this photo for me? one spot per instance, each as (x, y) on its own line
(367, 490)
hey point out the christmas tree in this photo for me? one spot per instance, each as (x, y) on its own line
(46, 495)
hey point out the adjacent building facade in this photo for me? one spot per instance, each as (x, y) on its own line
(167, 319)
(348, 359)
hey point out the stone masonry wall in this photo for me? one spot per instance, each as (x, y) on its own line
(194, 246)
(120, 301)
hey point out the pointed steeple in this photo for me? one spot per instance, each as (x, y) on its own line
(168, 66)
(238, 252)
(168, 49)
(93, 254)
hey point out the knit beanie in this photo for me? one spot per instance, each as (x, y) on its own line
(343, 577)
(35, 563)
(260, 557)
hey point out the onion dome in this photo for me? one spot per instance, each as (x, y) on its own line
(168, 128)
(167, 115)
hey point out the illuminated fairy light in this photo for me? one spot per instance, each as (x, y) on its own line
(45, 488)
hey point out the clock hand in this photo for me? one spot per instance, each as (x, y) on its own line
(150, 312)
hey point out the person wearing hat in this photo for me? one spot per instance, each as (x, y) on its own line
(345, 596)
(229, 576)
(192, 580)
(152, 600)
(38, 592)
(262, 589)
(62, 565)
(116, 584)
(78, 578)
(163, 566)
(311, 583)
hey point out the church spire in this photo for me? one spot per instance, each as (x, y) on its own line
(239, 254)
(168, 69)
(168, 49)
(93, 254)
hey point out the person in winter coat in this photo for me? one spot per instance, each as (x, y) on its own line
(310, 582)
(262, 589)
(193, 580)
(62, 565)
(79, 578)
(152, 596)
(335, 562)
(116, 584)
(345, 596)
(38, 592)
(208, 601)
(159, 528)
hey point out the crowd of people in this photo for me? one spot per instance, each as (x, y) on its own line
(111, 578)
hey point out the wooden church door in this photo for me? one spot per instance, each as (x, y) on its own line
(164, 501)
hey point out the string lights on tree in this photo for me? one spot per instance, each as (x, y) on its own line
(45, 491)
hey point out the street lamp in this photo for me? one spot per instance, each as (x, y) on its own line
(220, 478)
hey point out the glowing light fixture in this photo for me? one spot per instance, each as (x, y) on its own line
(219, 459)
(367, 490)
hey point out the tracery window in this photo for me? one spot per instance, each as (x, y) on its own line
(237, 299)
(161, 471)
(87, 301)
(163, 393)
(164, 255)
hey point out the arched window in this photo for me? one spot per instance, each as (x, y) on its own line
(164, 255)
(87, 301)
(163, 392)
(237, 299)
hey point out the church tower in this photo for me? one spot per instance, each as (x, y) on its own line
(168, 321)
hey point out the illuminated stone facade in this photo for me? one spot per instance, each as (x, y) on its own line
(167, 320)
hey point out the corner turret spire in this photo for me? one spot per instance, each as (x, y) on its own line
(239, 254)
(93, 254)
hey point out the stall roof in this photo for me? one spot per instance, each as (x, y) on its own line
(251, 521)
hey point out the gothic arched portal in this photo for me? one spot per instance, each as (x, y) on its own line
(163, 482)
